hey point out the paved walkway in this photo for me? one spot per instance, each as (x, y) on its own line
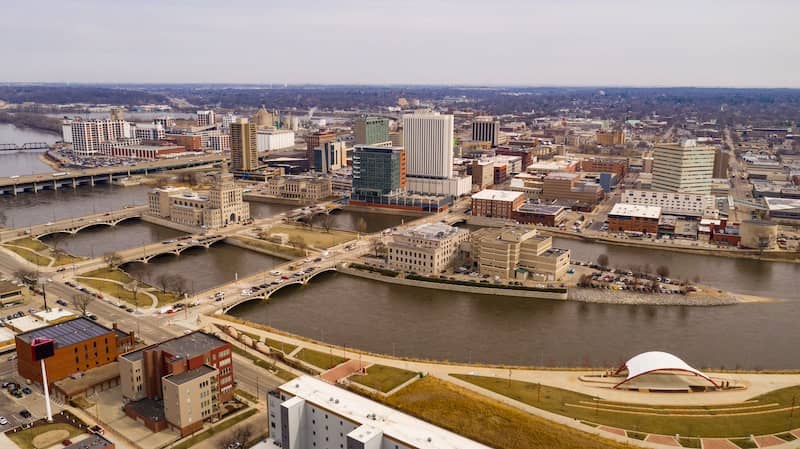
(153, 298)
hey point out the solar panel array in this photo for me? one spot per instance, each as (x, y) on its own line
(68, 333)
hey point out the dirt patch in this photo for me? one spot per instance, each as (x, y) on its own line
(50, 438)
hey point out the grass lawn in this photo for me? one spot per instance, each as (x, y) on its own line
(745, 443)
(316, 237)
(286, 348)
(383, 378)
(319, 359)
(108, 273)
(30, 256)
(24, 439)
(30, 243)
(487, 421)
(119, 291)
(698, 421)
(163, 298)
(243, 394)
(63, 258)
(287, 251)
(258, 361)
(226, 424)
(693, 443)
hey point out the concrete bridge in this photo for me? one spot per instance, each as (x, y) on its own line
(24, 146)
(73, 178)
(313, 211)
(146, 253)
(267, 292)
(74, 225)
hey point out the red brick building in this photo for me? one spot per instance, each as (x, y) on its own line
(605, 165)
(634, 218)
(496, 203)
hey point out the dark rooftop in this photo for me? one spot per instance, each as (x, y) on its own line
(94, 441)
(68, 332)
(189, 345)
(148, 408)
(187, 376)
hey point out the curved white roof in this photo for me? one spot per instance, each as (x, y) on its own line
(648, 362)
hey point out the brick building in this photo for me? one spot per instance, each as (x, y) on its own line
(81, 345)
(634, 218)
(496, 203)
(178, 383)
(605, 165)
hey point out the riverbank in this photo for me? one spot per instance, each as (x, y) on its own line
(38, 122)
(766, 256)
(601, 296)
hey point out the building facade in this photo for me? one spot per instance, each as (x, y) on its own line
(148, 131)
(634, 218)
(305, 188)
(274, 139)
(428, 140)
(486, 129)
(179, 383)
(426, 249)
(378, 170)
(684, 168)
(308, 413)
(496, 203)
(671, 202)
(316, 140)
(244, 152)
(329, 157)
(88, 135)
(206, 118)
(371, 130)
(518, 252)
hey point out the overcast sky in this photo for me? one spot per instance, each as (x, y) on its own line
(734, 43)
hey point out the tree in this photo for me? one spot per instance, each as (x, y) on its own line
(113, 260)
(298, 241)
(82, 301)
(240, 435)
(379, 247)
(27, 277)
(179, 286)
(662, 271)
(602, 260)
(164, 281)
(327, 222)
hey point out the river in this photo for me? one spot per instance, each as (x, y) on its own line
(23, 162)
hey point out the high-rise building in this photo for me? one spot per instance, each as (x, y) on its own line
(87, 135)
(371, 130)
(206, 118)
(486, 129)
(244, 152)
(316, 140)
(685, 167)
(330, 156)
(264, 118)
(149, 131)
(378, 170)
(428, 140)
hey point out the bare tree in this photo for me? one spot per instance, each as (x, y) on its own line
(113, 260)
(662, 271)
(27, 277)
(379, 247)
(164, 281)
(179, 286)
(602, 260)
(327, 222)
(81, 302)
(298, 242)
(243, 434)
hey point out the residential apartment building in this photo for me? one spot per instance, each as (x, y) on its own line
(178, 383)
(274, 139)
(672, 203)
(305, 188)
(308, 413)
(518, 253)
(426, 249)
(221, 206)
(148, 131)
(244, 152)
(219, 142)
(496, 203)
(81, 345)
(486, 129)
(88, 135)
(684, 168)
(634, 218)
(206, 118)
(610, 137)
(371, 130)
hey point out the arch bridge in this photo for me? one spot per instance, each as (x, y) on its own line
(266, 293)
(310, 214)
(25, 146)
(176, 248)
(110, 222)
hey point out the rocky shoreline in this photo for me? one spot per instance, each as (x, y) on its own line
(602, 296)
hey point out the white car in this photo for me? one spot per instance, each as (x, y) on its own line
(3, 421)
(275, 273)
(246, 292)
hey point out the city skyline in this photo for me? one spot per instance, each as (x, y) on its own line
(577, 43)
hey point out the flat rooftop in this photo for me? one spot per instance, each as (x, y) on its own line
(430, 231)
(9, 287)
(94, 441)
(68, 332)
(635, 210)
(188, 345)
(497, 195)
(545, 209)
(394, 424)
(190, 375)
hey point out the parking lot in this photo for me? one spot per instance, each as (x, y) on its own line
(10, 406)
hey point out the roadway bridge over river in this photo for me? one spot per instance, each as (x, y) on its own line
(73, 178)
(24, 146)
(74, 225)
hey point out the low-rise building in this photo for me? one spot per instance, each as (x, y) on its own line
(570, 188)
(11, 293)
(496, 203)
(426, 249)
(517, 252)
(347, 420)
(179, 383)
(135, 150)
(686, 204)
(634, 218)
(300, 187)
(543, 214)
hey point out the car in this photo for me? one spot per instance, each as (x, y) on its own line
(122, 306)
(235, 445)
(3, 421)
(218, 298)
(275, 273)
(67, 443)
(25, 413)
(97, 429)
(61, 302)
(92, 317)
(130, 310)
(27, 390)
(60, 270)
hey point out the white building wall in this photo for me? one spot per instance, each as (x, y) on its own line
(274, 140)
(458, 186)
(428, 139)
